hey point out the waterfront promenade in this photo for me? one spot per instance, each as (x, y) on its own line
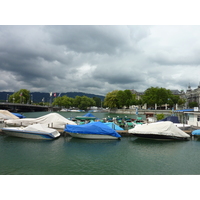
(140, 111)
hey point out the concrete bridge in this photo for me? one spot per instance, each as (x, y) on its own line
(17, 107)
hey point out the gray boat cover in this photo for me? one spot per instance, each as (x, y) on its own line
(52, 120)
(166, 128)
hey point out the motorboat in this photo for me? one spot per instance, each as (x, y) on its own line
(114, 126)
(87, 116)
(176, 122)
(5, 115)
(52, 120)
(65, 110)
(75, 110)
(35, 131)
(93, 130)
(139, 120)
(159, 130)
(183, 126)
(196, 133)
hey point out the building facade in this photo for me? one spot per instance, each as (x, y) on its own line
(193, 95)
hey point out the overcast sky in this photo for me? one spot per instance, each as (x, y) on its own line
(98, 59)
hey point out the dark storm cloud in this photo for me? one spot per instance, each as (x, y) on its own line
(98, 59)
(98, 39)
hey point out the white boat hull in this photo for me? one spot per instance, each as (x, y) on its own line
(159, 137)
(93, 136)
(29, 135)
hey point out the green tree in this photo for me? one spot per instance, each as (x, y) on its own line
(77, 101)
(111, 99)
(160, 116)
(134, 101)
(150, 96)
(181, 101)
(159, 96)
(193, 104)
(63, 101)
(121, 98)
(67, 102)
(97, 101)
(129, 97)
(21, 96)
(83, 102)
(57, 101)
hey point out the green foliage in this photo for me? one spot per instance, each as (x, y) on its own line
(97, 101)
(193, 104)
(21, 96)
(64, 101)
(111, 99)
(181, 101)
(83, 102)
(80, 102)
(129, 97)
(160, 116)
(160, 96)
(119, 99)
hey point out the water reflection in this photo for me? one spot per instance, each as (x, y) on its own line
(91, 146)
(153, 141)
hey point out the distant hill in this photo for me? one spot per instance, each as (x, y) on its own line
(38, 96)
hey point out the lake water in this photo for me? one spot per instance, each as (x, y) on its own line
(73, 156)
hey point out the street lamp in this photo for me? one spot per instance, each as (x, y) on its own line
(7, 98)
(13, 100)
(31, 98)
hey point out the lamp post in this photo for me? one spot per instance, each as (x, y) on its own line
(7, 98)
(13, 100)
(31, 98)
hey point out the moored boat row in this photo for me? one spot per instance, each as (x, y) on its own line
(92, 128)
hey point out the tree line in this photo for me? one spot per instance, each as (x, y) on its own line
(115, 99)
(82, 102)
(151, 97)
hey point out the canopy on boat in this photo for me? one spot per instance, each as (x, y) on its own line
(98, 128)
(185, 110)
(196, 132)
(114, 126)
(5, 114)
(53, 120)
(87, 116)
(173, 119)
(159, 128)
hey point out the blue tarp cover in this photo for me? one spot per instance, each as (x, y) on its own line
(98, 128)
(88, 115)
(18, 115)
(114, 126)
(185, 110)
(196, 132)
(173, 119)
